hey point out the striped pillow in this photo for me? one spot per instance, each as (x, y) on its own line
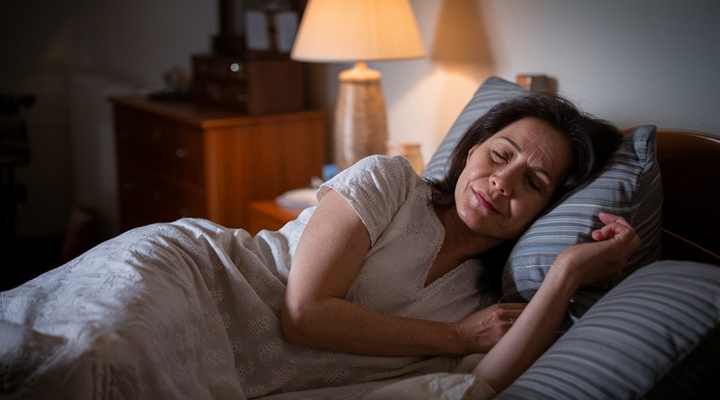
(493, 91)
(628, 185)
(655, 335)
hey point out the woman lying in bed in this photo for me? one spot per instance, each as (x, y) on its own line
(386, 281)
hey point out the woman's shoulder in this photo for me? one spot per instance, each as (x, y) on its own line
(384, 165)
(378, 173)
(376, 187)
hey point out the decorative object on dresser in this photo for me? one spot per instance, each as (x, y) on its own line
(253, 86)
(536, 83)
(250, 68)
(409, 150)
(256, 25)
(358, 31)
(190, 160)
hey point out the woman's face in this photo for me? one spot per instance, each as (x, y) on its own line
(511, 177)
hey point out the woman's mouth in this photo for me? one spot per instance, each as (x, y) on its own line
(485, 202)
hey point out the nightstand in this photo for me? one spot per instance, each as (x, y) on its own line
(267, 214)
(182, 159)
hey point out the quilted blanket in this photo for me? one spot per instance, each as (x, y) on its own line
(188, 309)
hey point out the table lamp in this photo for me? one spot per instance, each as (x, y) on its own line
(358, 31)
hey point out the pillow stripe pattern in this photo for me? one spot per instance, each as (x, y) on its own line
(644, 331)
(628, 185)
(493, 91)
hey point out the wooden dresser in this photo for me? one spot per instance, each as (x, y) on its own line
(187, 160)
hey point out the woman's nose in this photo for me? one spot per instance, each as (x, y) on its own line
(503, 182)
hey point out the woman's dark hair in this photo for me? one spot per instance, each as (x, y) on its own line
(592, 140)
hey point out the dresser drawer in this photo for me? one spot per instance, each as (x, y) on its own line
(146, 197)
(160, 145)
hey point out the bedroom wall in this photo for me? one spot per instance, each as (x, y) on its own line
(632, 62)
(72, 54)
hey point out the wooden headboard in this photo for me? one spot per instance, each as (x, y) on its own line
(690, 168)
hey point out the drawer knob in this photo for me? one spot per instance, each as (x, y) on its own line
(184, 212)
(181, 153)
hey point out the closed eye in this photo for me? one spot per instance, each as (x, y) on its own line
(498, 157)
(534, 185)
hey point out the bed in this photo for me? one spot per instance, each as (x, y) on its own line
(80, 332)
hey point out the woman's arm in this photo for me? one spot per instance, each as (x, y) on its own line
(326, 262)
(535, 329)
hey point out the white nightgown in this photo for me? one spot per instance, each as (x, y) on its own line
(191, 309)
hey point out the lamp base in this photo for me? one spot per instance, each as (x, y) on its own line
(360, 118)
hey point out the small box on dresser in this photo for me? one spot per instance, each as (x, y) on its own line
(255, 86)
(187, 160)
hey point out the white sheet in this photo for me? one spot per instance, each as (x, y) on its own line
(438, 386)
(181, 310)
(133, 318)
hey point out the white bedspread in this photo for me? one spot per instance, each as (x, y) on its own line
(134, 316)
(164, 312)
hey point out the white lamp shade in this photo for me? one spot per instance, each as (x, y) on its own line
(352, 30)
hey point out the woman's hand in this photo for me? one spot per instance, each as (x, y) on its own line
(481, 330)
(536, 328)
(604, 259)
